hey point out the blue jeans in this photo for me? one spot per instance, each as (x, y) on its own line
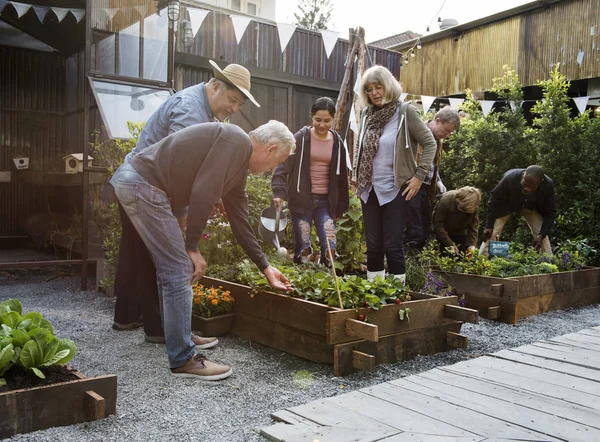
(384, 229)
(318, 211)
(149, 210)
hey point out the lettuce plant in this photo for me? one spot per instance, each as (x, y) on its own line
(28, 341)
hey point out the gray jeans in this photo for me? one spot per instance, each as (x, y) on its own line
(149, 210)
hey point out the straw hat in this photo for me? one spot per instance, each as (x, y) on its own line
(236, 75)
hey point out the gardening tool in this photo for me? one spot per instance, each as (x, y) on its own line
(272, 222)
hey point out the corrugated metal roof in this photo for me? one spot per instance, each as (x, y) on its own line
(394, 40)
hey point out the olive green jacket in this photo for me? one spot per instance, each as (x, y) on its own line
(448, 220)
(411, 132)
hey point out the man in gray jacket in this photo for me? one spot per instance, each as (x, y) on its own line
(196, 166)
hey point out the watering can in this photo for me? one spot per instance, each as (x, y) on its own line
(272, 222)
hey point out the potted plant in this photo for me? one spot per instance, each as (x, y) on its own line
(211, 310)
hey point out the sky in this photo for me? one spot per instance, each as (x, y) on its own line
(384, 18)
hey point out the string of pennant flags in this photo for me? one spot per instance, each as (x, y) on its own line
(42, 11)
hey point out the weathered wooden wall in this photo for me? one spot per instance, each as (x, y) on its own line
(530, 43)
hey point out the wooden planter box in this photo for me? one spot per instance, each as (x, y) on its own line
(334, 336)
(56, 405)
(215, 326)
(510, 299)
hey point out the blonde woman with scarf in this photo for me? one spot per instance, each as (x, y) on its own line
(386, 173)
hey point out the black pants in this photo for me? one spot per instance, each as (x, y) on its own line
(419, 220)
(135, 282)
(384, 229)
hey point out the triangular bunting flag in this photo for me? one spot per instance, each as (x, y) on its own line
(486, 106)
(403, 96)
(348, 162)
(239, 26)
(352, 120)
(197, 17)
(3, 3)
(285, 31)
(427, 102)
(455, 103)
(21, 8)
(330, 38)
(580, 56)
(41, 12)
(110, 12)
(143, 9)
(78, 14)
(514, 105)
(581, 103)
(60, 13)
(358, 82)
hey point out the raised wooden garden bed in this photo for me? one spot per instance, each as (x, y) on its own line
(510, 299)
(334, 336)
(64, 403)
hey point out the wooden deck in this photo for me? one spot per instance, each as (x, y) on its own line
(546, 391)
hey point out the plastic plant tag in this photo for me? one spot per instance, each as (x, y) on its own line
(499, 248)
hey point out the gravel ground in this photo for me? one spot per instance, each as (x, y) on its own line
(153, 406)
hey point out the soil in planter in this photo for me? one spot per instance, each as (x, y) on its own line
(18, 378)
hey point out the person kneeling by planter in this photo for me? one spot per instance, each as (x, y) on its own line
(196, 166)
(455, 220)
(528, 192)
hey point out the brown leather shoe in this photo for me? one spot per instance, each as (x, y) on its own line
(198, 367)
(204, 343)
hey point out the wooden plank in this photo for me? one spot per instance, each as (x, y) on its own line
(362, 330)
(290, 340)
(54, 405)
(481, 286)
(536, 373)
(543, 424)
(389, 413)
(560, 356)
(533, 386)
(494, 312)
(94, 405)
(586, 278)
(472, 421)
(395, 347)
(293, 312)
(549, 405)
(363, 361)
(292, 419)
(508, 310)
(289, 433)
(461, 313)
(321, 412)
(549, 364)
(568, 350)
(424, 313)
(497, 290)
(579, 338)
(534, 305)
(456, 340)
(535, 285)
(420, 437)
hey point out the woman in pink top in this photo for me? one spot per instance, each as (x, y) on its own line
(314, 182)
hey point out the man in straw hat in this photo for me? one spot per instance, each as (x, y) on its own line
(196, 166)
(135, 281)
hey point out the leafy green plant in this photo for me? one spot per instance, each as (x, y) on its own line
(351, 245)
(28, 341)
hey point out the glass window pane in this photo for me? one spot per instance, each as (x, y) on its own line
(251, 8)
(120, 103)
(235, 4)
(129, 51)
(156, 36)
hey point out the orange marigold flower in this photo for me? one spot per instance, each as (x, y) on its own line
(214, 302)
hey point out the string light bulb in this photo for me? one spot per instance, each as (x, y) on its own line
(427, 29)
(419, 43)
(412, 52)
(439, 19)
(406, 60)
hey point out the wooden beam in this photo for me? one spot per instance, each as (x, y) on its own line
(94, 405)
(362, 330)
(461, 313)
(353, 46)
(497, 290)
(494, 312)
(363, 361)
(456, 340)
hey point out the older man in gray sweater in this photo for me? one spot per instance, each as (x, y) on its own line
(195, 167)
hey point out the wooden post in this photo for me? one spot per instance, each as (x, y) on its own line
(353, 45)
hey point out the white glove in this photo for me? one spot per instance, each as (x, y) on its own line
(440, 187)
